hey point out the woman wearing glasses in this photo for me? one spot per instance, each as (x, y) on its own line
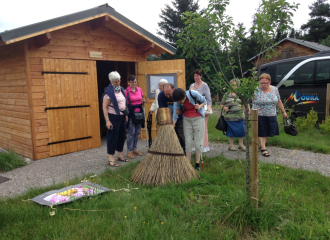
(266, 99)
(135, 100)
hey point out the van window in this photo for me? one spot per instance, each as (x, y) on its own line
(323, 71)
(283, 69)
(303, 75)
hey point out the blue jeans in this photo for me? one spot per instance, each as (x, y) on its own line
(133, 135)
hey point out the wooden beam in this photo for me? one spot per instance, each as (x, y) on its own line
(54, 28)
(29, 85)
(143, 48)
(42, 40)
(97, 23)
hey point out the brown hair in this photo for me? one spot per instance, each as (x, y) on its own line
(131, 78)
(200, 73)
(265, 75)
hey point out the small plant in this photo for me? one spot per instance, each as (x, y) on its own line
(10, 160)
(308, 122)
(325, 127)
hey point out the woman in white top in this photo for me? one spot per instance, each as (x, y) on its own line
(154, 105)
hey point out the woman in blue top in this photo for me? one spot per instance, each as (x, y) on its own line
(191, 103)
(266, 99)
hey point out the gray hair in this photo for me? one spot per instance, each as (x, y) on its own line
(163, 81)
(235, 80)
(114, 76)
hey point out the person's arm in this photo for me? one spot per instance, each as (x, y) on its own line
(175, 116)
(106, 103)
(208, 98)
(281, 107)
(200, 99)
(154, 104)
(223, 104)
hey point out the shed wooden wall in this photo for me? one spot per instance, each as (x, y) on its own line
(298, 51)
(73, 42)
(15, 125)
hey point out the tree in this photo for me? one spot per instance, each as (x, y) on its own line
(318, 26)
(206, 35)
(172, 23)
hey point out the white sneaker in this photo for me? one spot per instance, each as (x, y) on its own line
(207, 148)
(193, 149)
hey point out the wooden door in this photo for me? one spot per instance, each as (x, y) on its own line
(71, 105)
(158, 67)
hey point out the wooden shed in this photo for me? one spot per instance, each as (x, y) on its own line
(53, 73)
(289, 48)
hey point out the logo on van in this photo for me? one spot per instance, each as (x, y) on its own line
(306, 98)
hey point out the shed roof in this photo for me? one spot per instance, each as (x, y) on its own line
(316, 46)
(18, 34)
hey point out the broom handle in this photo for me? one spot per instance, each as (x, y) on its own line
(145, 123)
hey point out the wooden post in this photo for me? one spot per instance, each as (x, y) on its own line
(327, 108)
(255, 157)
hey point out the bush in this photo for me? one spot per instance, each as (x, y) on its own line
(308, 122)
(325, 127)
(10, 160)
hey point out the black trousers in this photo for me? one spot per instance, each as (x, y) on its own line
(180, 134)
(116, 136)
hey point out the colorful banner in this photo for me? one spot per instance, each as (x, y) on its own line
(70, 193)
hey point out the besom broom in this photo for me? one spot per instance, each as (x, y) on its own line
(165, 161)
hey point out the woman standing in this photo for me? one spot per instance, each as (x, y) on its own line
(154, 105)
(114, 103)
(234, 116)
(193, 119)
(266, 98)
(135, 98)
(203, 90)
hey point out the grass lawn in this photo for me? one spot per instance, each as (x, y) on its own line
(312, 140)
(294, 204)
(10, 160)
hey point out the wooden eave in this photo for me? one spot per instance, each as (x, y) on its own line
(113, 24)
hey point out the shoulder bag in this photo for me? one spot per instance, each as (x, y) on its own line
(222, 124)
(137, 117)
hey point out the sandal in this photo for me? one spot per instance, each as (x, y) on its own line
(113, 164)
(122, 159)
(232, 148)
(265, 153)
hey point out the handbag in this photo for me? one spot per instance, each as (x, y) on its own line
(289, 128)
(137, 117)
(222, 124)
(205, 109)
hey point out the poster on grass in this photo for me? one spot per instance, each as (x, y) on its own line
(70, 193)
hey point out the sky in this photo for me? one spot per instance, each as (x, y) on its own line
(145, 13)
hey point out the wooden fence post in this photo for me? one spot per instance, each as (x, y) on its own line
(327, 108)
(255, 183)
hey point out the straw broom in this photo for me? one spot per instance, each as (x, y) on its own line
(165, 161)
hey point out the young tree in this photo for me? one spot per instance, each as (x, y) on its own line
(206, 35)
(318, 27)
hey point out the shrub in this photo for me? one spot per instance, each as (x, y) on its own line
(308, 122)
(325, 126)
(10, 160)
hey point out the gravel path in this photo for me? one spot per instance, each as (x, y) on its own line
(62, 168)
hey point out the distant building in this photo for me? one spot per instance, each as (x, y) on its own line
(289, 48)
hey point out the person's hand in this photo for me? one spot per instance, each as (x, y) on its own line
(150, 111)
(143, 100)
(178, 111)
(126, 118)
(108, 124)
(285, 115)
(249, 112)
(226, 109)
(174, 124)
(197, 106)
(207, 112)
